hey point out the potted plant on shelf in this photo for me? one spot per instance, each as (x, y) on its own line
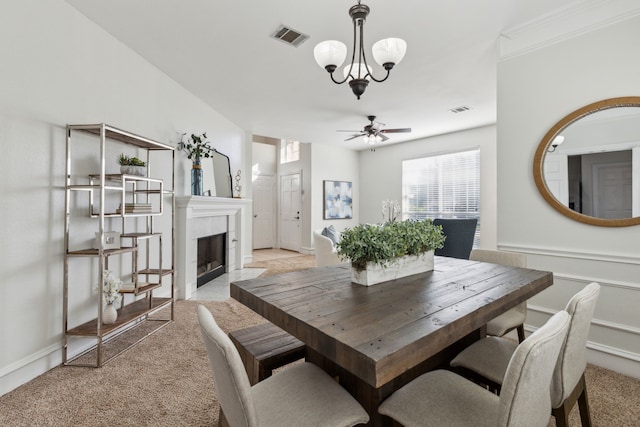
(388, 251)
(132, 165)
(110, 294)
(196, 147)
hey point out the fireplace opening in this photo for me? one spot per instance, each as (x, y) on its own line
(211, 257)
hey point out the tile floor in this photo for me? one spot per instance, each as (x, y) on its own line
(218, 288)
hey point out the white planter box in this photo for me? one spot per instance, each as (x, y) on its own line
(402, 267)
(133, 170)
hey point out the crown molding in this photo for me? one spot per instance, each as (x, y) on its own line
(565, 23)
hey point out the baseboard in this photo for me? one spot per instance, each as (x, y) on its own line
(307, 251)
(26, 369)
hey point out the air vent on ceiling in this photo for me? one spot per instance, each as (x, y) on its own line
(289, 36)
(461, 109)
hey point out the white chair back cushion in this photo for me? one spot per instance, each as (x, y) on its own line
(573, 359)
(512, 259)
(525, 398)
(232, 383)
(325, 252)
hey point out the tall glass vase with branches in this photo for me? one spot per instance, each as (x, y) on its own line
(196, 148)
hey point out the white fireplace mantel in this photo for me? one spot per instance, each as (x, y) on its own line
(199, 216)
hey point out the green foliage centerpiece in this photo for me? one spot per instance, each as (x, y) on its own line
(385, 249)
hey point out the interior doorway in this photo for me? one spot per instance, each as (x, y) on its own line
(290, 212)
(264, 212)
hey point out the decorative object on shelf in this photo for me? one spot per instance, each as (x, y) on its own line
(390, 210)
(238, 187)
(132, 165)
(196, 148)
(109, 315)
(330, 54)
(111, 240)
(338, 200)
(382, 252)
(111, 295)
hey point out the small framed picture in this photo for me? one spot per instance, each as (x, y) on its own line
(338, 200)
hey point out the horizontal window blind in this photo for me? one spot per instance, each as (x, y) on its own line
(442, 186)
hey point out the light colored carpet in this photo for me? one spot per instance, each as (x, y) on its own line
(284, 265)
(166, 381)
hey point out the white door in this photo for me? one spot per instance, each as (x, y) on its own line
(264, 212)
(612, 190)
(290, 212)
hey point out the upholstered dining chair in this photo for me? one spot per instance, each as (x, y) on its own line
(459, 233)
(515, 317)
(443, 398)
(489, 358)
(300, 395)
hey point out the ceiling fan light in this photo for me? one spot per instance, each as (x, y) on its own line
(359, 71)
(330, 53)
(378, 138)
(365, 139)
(389, 51)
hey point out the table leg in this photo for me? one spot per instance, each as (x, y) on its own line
(370, 397)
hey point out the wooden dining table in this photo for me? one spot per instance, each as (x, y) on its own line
(375, 339)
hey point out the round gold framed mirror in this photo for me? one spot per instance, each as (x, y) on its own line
(587, 166)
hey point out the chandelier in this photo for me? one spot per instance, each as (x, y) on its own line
(330, 54)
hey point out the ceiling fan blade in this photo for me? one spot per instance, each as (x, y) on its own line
(383, 136)
(352, 131)
(377, 125)
(399, 130)
(353, 137)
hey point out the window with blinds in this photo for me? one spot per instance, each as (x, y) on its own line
(442, 186)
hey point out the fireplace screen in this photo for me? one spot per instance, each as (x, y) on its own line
(211, 257)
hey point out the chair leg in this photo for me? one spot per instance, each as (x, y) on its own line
(561, 415)
(583, 405)
(579, 395)
(520, 329)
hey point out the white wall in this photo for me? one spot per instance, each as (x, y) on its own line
(58, 68)
(333, 164)
(381, 174)
(535, 90)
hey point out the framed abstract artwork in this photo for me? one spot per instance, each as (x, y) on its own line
(338, 200)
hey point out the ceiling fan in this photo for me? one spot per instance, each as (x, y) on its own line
(374, 132)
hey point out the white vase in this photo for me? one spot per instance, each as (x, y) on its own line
(109, 315)
(402, 267)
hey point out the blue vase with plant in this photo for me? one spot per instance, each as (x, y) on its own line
(196, 148)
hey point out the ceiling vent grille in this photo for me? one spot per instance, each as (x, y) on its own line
(461, 109)
(289, 36)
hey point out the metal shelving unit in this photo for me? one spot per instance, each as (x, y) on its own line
(144, 311)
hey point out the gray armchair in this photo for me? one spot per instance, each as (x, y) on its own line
(459, 233)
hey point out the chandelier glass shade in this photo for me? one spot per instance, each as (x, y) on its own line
(330, 54)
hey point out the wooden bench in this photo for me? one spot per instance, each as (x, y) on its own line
(264, 348)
